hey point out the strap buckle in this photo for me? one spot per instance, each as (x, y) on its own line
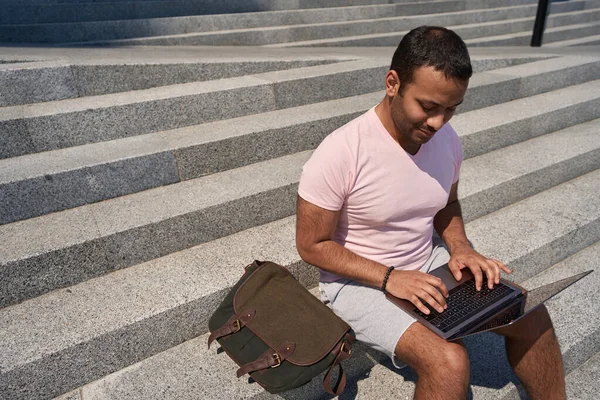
(278, 359)
(344, 343)
(237, 325)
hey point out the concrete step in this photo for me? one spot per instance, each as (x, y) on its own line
(61, 249)
(51, 181)
(316, 31)
(37, 184)
(64, 123)
(77, 76)
(103, 324)
(35, 82)
(60, 124)
(555, 34)
(40, 12)
(582, 384)
(14, 14)
(113, 30)
(470, 32)
(593, 40)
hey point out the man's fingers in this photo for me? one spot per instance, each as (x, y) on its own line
(502, 266)
(437, 297)
(439, 284)
(433, 302)
(454, 267)
(493, 273)
(476, 270)
(417, 302)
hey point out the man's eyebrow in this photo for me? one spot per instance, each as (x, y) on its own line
(433, 103)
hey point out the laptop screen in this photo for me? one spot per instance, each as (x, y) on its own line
(539, 295)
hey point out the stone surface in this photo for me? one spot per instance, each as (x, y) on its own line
(487, 129)
(74, 122)
(315, 30)
(136, 228)
(111, 30)
(516, 172)
(140, 300)
(582, 384)
(515, 32)
(560, 33)
(24, 84)
(510, 83)
(37, 184)
(533, 221)
(139, 116)
(585, 41)
(74, 395)
(50, 193)
(93, 80)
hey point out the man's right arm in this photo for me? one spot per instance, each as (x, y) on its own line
(315, 227)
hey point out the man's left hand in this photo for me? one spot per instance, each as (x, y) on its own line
(466, 257)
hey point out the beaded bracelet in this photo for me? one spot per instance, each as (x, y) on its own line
(387, 276)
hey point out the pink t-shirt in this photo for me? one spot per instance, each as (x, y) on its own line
(387, 197)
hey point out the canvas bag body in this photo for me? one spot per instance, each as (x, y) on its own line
(274, 312)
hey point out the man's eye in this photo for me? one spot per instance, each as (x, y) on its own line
(426, 108)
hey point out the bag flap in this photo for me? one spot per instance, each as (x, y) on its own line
(287, 312)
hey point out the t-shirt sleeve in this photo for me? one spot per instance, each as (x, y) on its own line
(325, 178)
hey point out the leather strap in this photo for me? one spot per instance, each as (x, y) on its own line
(234, 324)
(268, 359)
(343, 353)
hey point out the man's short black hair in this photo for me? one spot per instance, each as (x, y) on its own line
(431, 46)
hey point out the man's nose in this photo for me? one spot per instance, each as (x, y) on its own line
(435, 122)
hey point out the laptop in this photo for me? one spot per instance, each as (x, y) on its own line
(470, 312)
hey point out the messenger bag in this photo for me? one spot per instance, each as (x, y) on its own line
(278, 332)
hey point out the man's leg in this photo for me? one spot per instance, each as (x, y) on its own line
(442, 367)
(533, 352)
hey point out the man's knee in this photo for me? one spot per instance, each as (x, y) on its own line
(449, 361)
(430, 355)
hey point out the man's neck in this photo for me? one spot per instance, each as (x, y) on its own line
(383, 112)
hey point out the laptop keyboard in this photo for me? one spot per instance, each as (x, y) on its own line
(463, 302)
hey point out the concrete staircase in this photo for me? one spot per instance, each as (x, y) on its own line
(136, 182)
(290, 23)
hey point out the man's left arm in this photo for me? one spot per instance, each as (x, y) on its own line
(448, 223)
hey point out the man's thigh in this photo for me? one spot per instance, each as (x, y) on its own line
(423, 350)
(376, 321)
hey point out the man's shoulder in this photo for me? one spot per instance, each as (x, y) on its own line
(350, 133)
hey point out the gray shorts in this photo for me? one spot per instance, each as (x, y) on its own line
(375, 320)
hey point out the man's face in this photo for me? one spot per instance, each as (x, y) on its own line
(422, 107)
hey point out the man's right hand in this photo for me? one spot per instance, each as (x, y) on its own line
(416, 287)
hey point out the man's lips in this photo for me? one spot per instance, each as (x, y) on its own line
(427, 132)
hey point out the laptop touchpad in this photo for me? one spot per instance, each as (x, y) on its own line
(446, 276)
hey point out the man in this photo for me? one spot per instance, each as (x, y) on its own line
(369, 199)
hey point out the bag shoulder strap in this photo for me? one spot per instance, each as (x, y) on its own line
(343, 351)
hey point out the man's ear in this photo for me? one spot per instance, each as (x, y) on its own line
(392, 83)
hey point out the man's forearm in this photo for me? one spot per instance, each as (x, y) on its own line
(449, 224)
(335, 258)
